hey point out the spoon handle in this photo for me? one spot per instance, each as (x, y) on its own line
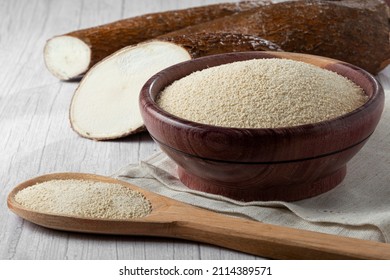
(276, 242)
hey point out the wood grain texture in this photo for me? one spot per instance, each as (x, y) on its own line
(37, 138)
(170, 218)
(289, 163)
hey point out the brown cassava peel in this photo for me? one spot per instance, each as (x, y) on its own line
(354, 31)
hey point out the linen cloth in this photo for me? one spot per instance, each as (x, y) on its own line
(359, 207)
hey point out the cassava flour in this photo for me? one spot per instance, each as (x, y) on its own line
(261, 93)
(85, 198)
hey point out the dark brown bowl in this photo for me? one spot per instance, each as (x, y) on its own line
(287, 164)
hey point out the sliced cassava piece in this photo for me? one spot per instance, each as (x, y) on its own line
(105, 105)
(70, 55)
(354, 31)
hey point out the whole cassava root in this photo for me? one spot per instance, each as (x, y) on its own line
(70, 55)
(105, 105)
(354, 31)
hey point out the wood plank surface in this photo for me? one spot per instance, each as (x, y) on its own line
(36, 137)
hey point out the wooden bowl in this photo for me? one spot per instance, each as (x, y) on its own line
(288, 164)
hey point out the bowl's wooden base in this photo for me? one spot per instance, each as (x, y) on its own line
(259, 193)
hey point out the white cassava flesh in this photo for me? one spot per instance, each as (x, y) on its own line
(67, 57)
(105, 105)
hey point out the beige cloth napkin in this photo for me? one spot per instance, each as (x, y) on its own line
(359, 207)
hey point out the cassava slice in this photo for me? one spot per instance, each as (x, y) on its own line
(69, 56)
(354, 31)
(105, 105)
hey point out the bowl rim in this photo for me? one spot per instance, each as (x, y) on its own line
(151, 83)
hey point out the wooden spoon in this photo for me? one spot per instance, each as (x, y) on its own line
(170, 218)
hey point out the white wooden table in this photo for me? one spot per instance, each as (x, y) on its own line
(36, 137)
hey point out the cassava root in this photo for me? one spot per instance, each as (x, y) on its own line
(354, 31)
(70, 55)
